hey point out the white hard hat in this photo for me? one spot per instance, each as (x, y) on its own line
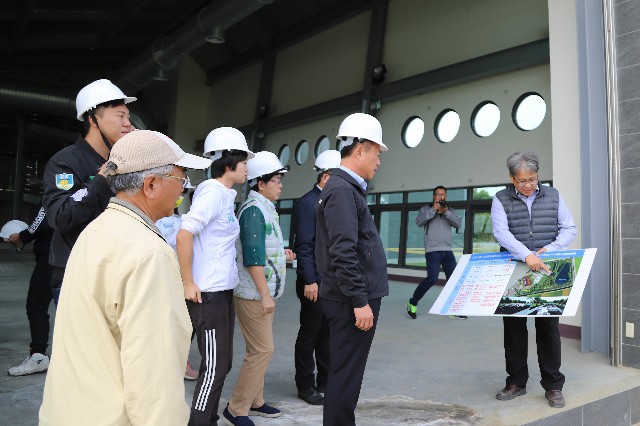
(96, 93)
(225, 138)
(264, 163)
(329, 159)
(12, 227)
(361, 126)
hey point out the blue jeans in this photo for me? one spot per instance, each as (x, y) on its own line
(434, 260)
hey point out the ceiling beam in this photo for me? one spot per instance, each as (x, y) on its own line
(18, 30)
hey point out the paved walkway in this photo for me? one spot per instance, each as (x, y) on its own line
(430, 371)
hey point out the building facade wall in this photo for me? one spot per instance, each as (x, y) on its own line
(627, 45)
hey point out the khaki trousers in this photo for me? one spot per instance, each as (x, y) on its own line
(257, 330)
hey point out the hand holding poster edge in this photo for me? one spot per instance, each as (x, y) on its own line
(493, 284)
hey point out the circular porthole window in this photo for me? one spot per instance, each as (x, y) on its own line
(447, 125)
(412, 131)
(529, 111)
(284, 153)
(322, 145)
(485, 119)
(339, 145)
(302, 152)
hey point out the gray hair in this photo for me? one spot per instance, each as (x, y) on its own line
(131, 183)
(522, 160)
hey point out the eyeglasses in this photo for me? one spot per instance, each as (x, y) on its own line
(531, 182)
(276, 181)
(185, 180)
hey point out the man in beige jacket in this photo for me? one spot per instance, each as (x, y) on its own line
(122, 332)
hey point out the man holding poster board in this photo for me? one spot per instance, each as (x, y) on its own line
(530, 219)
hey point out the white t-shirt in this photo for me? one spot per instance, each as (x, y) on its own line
(169, 227)
(213, 223)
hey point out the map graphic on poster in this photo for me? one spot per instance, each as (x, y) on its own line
(496, 284)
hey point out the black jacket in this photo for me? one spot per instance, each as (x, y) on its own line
(304, 227)
(71, 202)
(349, 252)
(40, 233)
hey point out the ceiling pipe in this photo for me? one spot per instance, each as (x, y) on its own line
(166, 52)
(45, 100)
(25, 97)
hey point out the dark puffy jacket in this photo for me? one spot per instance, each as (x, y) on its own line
(304, 226)
(349, 252)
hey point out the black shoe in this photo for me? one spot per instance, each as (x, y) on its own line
(555, 398)
(311, 396)
(511, 391)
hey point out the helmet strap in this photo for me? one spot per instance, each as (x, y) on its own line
(92, 114)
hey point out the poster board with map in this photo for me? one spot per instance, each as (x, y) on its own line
(496, 284)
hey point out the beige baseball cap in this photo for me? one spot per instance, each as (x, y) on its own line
(146, 149)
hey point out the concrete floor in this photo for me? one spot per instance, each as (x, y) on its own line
(430, 371)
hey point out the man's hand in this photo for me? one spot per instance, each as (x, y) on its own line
(192, 293)
(535, 264)
(268, 305)
(311, 291)
(289, 254)
(15, 239)
(364, 317)
(439, 208)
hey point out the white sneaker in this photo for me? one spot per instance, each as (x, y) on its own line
(36, 363)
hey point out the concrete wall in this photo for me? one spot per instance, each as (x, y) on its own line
(232, 101)
(627, 40)
(465, 161)
(323, 67)
(565, 121)
(426, 34)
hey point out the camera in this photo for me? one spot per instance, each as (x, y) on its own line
(443, 203)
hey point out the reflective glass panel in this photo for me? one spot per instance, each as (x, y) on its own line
(322, 145)
(302, 152)
(285, 227)
(414, 251)
(283, 154)
(447, 125)
(457, 237)
(483, 240)
(457, 194)
(485, 119)
(529, 111)
(420, 197)
(486, 193)
(412, 132)
(391, 198)
(285, 204)
(390, 234)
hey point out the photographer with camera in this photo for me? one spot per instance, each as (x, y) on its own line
(437, 219)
